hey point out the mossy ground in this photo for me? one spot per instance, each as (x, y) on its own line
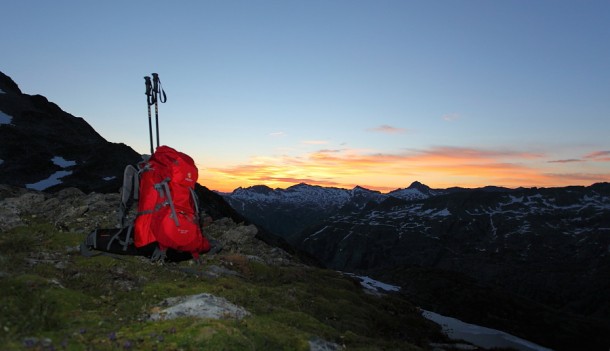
(56, 299)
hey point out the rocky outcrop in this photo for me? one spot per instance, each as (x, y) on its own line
(69, 209)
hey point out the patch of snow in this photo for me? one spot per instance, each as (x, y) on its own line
(481, 336)
(1, 161)
(316, 233)
(408, 194)
(317, 344)
(374, 285)
(514, 199)
(5, 119)
(2, 91)
(348, 235)
(54, 179)
(61, 162)
(442, 213)
(109, 178)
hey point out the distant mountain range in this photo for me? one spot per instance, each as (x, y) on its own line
(548, 245)
(290, 211)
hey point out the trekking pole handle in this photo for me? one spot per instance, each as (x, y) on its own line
(158, 89)
(149, 91)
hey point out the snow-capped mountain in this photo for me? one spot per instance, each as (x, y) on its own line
(416, 191)
(286, 212)
(296, 194)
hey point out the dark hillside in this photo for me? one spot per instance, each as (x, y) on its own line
(41, 131)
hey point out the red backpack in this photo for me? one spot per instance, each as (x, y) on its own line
(168, 216)
(167, 205)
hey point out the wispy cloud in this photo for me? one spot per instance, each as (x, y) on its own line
(452, 153)
(450, 117)
(599, 156)
(384, 128)
(579, 178)
(277, 134)
(330, 151)
(569, 160)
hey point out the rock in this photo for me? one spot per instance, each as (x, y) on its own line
(317, 344)
(240, 235)
(200, 306)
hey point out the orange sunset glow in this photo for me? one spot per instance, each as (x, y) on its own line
(439, 167)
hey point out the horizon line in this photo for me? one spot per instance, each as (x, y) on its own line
(372, 188)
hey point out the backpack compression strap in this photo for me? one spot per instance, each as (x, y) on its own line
(129, 192)
(195, 202)
(163, 189)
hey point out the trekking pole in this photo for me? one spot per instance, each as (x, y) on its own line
(149, 101)
(156, 90)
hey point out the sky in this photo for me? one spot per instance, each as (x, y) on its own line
(334, 92)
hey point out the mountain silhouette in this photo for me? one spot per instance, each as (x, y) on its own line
(46, 148)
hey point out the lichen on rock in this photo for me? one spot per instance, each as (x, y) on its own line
(201, 306)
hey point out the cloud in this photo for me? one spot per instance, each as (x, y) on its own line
(384, 128)
(569, 160)
(330, 151)
(579, 178)
(277, 134)
(453, 154)
(599, 156)
(450, 117)
(439, 166)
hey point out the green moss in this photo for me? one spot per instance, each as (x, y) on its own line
(101, 303)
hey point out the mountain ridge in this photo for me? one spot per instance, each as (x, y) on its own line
(547, 245)
(38, 131)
